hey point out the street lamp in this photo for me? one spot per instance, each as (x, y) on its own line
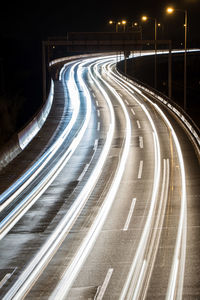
(111, 22)
(171, 10)
(145, 18)
(117, 24)
(137, 26)
(124, 24)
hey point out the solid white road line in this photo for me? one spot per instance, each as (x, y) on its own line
(129, 215)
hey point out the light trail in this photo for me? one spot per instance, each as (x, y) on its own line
(175, 285)
(39, 262)
(176, 279)
(15, 189)
(19, 210)
(46, 252)
(132, 283)
(71, 272)
(139, 275)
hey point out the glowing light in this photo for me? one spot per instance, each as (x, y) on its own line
(144, 18)
(170, 10)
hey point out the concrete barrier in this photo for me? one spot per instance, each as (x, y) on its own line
(21, 139)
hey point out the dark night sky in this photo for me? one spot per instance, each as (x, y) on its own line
(37, 20)
(24, 24)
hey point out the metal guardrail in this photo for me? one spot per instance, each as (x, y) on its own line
(185, 119)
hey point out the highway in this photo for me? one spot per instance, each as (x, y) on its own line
(108, 206)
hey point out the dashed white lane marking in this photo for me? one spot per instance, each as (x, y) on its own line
(104, 285)
(83, 172)
(129, 215)
(95, 145)
(132, 110)
(141, 142)
(140, 169)
(138, 124)
(127, 103)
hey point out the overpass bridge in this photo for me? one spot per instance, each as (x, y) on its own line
(91, 42)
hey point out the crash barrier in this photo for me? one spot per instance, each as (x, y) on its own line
(20, 140)
(183, 117)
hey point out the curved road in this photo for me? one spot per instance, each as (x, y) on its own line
(120, 220)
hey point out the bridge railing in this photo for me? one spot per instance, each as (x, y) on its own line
(182, 116)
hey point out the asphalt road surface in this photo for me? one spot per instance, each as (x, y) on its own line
(113, 213)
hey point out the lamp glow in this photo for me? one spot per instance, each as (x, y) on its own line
(144, 18)
(170, 10)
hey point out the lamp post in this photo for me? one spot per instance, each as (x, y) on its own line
(145, 18)
(171, 10)
(117, 24)
(138, 27)
(124, 24)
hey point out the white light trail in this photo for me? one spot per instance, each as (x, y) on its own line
(132, 284)
(19, 210)
(175, 285)
(44, 255)
(33, 172)
(176, 279)
(68, 277)
(46, 252)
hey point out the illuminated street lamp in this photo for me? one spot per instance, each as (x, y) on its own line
(171, 10)
(124, 24)
(117, 24)
(139, 28)
(145, 18)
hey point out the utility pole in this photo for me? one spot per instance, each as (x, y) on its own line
(185, 64)
(170, 70)
(155, 60)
